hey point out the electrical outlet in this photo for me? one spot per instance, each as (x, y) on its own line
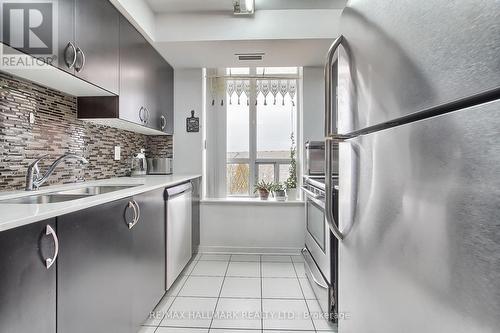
(32, 118)
(117, 153)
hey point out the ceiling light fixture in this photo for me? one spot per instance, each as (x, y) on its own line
(244, 7)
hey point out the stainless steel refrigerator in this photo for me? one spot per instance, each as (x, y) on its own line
(418, 121)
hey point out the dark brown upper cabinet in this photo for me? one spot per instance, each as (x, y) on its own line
(146, 88)
(87, 43)
(134, 74)
(97, 43)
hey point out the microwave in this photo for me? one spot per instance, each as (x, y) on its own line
(315, 158)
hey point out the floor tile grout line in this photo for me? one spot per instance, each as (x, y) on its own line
(220, 292)
(305, 300)
(261, 295)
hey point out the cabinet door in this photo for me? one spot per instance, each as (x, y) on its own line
(165, 96)
(59, 11)
(95, 284)
(97, 36)
(148, 255)
(66, 50)
(150, 66)
(27, 287)
(133, 74)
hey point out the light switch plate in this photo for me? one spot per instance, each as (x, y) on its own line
(117, 153)
(32, 118)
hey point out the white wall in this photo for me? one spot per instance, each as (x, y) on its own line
(257, 227)
(313, 105)
(188, 95)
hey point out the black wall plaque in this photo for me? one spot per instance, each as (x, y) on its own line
(192, 123)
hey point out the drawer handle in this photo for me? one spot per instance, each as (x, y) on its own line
(50, 261)
(137, 213)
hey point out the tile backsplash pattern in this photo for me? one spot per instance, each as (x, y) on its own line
(57, 131)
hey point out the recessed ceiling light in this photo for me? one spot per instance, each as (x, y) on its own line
(243, 7)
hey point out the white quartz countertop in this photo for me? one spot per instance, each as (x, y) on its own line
(16, 215)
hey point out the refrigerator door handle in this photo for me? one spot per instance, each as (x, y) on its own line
(328, 191)
(329, 138)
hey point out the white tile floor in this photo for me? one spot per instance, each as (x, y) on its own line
(240, 293)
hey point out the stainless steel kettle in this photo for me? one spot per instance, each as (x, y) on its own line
(139, 165)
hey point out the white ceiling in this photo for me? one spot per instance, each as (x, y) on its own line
(176, 6)
(277, 53)
(204, 33)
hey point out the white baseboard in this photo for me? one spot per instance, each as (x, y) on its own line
(249, 250)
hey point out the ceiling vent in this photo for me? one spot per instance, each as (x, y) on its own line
(249, 56)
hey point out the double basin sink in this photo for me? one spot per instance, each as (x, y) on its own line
(67, 195)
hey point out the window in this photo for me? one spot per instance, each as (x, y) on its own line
(260, 116)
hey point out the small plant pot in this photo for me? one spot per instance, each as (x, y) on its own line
(263, 194)
(292, 194)
(280, 195)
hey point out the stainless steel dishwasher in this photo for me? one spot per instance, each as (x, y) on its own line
(179, 230)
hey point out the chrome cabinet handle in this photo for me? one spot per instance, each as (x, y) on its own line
(79, 51)
(137, 213)
(70, 63)
(50, 261)
(141, 111)
(329, 139)
(163, 122)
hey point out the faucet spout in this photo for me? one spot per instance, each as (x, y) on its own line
(33, 178)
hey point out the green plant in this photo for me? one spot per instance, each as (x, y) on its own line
(263, 186)
(291, 182)
(279, 187)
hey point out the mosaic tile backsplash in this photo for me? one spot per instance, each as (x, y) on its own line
(57, 131)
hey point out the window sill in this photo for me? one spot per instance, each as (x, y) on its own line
(250, 201)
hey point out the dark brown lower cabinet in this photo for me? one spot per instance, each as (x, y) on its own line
(111, 268)
(148, 254)
(27, 286)
(95, 282)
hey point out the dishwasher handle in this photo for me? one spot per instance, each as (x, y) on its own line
(175, 191)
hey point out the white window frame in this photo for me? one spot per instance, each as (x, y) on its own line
(216, 160)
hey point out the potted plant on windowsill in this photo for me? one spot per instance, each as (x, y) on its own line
(279, 191)
(291, 182)
(264, 188)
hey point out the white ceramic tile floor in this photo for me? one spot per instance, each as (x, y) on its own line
(278, 269)
(281, 288)
(202, 286)
(244, 269)
(239, 293)
(210, 268)
(241, 287)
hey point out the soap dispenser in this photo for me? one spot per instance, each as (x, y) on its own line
(139, 165)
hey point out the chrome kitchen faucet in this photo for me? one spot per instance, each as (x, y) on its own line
(33, 177)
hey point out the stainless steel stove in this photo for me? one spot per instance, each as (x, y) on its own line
(321, 247)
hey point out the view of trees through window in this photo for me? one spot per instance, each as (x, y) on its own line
(261, 119)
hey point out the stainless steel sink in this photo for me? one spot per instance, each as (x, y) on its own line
(95, 190)
(68, 195)
(43, 199)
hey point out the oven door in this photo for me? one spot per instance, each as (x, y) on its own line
(318, 239)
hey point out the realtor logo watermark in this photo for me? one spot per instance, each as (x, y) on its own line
(31, 28)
